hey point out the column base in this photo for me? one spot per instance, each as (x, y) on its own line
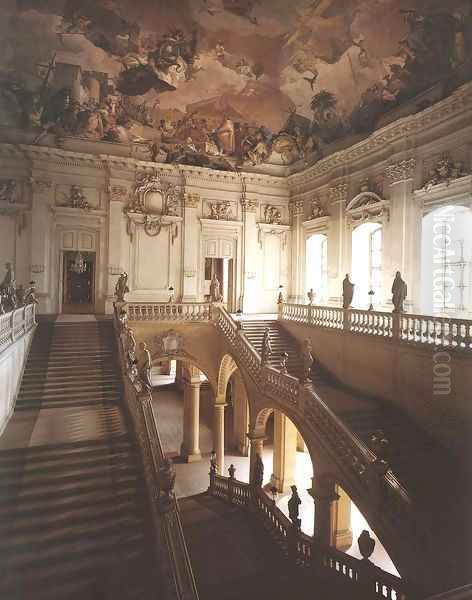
(344, 540)
(191, 458)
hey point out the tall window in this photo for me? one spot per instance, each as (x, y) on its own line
(446, 262)
(367, 264)
(316, 267)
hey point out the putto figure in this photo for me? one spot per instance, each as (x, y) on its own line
(399, 293)
(121, 287)
(348, 291)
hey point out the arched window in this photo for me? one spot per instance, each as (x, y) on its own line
(316, 267)
(446, 261)
(367, 264)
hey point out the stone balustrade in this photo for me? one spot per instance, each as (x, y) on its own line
(412, 329)
(16, 323)
(153, 311)
(168, 533)
(306, 551)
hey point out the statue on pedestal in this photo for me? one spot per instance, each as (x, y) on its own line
(258, 471)
(166, 480)
(311, 296)
(30, 294)
(8, 288)
(399, 293)
(266, 352)
(294, 506)
(307, 359)
(121, 287)
(215, 290)
(348, 291)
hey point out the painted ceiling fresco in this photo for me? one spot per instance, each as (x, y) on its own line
(223, 83)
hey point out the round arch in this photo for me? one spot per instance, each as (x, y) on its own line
(185, 358)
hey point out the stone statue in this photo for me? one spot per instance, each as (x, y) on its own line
(258, 471)
(30, 294)
(215, 292)
(293, 506)
(146, 370)
(166, 481)
(348, 291)
(213, 463)
(7, 190)
(121, 287)
(232, 471)
(8, 288)
(399, 293)
(283, 362)
(307, 358)
(311, 296)
(266, 347)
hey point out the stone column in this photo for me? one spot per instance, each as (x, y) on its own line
(191, 250)
(256, 448)
(116, 223)
(339, 242)
(219, 435)
(342, 520)
(402, 236)
(241, 415)
(190, 447)
(250, 257)
(41, 237)
(285, 451)
(324, 495)
(297, 292)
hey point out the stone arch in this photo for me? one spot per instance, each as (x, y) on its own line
(227, 367)
(186, 359)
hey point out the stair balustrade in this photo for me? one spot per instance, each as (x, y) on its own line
(305, 551)
(168, 533)
(412, 329)
(16, 323)
(157, 311)
(354, 459)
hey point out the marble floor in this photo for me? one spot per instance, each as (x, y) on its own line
(193, 478)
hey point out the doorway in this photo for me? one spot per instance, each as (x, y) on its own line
(78, 282)
(223, 269)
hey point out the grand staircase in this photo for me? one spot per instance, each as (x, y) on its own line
(438, 485)
(73, 514)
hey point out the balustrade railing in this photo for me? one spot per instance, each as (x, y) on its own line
(306, 551)
(416, 329)
(16, 323)
(171, 549)
(155, 311)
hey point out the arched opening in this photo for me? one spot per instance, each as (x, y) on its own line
(367, 265)
(446, 262)
(316, 266)
(183, 405)
(286, 462)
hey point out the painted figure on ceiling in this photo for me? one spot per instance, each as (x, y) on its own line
(225, 136)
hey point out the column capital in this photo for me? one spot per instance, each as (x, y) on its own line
(249, 205)
(401, 170)
(254, 438)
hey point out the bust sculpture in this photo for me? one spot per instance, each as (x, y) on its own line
(399, 293)
(348, 291)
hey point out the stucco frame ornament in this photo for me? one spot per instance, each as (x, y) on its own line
(153, 220)
(265, 229)
(367, 207)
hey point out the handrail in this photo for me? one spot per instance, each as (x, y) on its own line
(306, 550)
(170, 543)
(354, 458)
(169, 311)
(424, 330)
(16, 323)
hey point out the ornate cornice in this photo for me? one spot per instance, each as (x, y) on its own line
(401, 171)
(338, 193)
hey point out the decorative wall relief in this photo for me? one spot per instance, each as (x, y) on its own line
(155, 205)
(367, 206)
(8, 190)
(220, 211)
(445, 170)
(169, 343)
(317, 210)
(272, 215)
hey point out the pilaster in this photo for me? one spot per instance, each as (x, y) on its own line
(297, 288)
(41, 237)
(191, 242)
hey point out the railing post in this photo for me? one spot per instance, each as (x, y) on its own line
(396, 323)
(346, 319)
(231, 472)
